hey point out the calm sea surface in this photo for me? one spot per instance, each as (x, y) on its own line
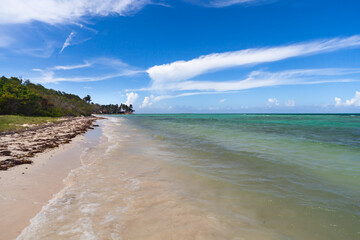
(213, 176)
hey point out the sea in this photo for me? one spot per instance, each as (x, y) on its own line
(212, 176)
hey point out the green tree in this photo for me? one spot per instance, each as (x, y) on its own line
(87, 99)
(26, 98)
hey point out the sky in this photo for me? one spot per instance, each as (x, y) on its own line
(189, 56)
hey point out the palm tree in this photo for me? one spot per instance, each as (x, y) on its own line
(87, 99)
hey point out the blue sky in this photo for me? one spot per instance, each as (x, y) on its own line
(189, 55)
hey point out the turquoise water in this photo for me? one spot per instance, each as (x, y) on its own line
(206, 176)
(300, 174)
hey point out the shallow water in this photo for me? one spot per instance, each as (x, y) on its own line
(223, 176)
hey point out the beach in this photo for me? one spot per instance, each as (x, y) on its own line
(196, 176)
(26, 188)
(179, 120)
(18, 147)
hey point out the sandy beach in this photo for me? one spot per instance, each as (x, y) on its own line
(25, 188)
(189, 177)
(18, 148)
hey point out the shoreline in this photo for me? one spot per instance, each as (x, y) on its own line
(25, 189)
(17, 148)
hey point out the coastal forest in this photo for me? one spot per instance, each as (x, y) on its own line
(19, 97)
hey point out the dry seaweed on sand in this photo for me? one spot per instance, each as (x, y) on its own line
(17, 148)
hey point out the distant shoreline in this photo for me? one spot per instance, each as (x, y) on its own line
(357, 114)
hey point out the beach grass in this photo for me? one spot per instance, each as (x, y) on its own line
(17, 122)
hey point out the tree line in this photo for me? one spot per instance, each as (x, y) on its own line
(116, 109)
(111, 108)
(19, 97)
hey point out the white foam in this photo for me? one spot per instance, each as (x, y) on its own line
(134, 184)
(84, 227)
(115, 236)
(89, 208)
(108, 218)
(111, 148)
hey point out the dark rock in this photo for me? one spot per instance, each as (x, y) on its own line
(8, 163)
(5, 153)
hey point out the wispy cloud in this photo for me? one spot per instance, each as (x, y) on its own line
(48, 77)
(223, 3)
(86, 64)
(83, 34)
(258, 79)
(255, 79)
(111, 67)
(183, 70)
(72, 12)
(226, 3)
(42, 51)
(5, 41)
(65, 11)
(20, 38)
(67, 41)
(148, 101)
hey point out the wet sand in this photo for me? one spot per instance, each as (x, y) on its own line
(26, 188)
(127, 189)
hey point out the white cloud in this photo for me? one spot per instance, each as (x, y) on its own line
(131, 98)
(226, 3)
(48, 77)
(111, 67)
(44, 51)
(338, 101)
(221, 3)
(64, 11)
(163, 97)
(222, 100)
(353, 102)
(258, 79)
(273, 102)
(111, 62)
(86, 64)
(87, 87)
(290, 103)
(75, 37)
(67, 41)
(183, 70)
(20, 39)
(146, 103)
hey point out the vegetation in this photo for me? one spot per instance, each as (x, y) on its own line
(115, 109)
(18, 97)
(25, 98)
(87, 99)
(11, 122)
(126, 108)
